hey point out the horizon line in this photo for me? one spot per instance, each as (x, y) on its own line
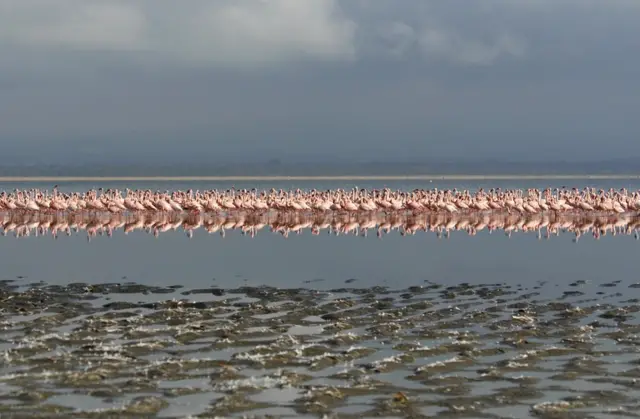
(29, 179)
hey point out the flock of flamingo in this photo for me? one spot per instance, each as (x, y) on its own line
(531, 201)
(442, 224)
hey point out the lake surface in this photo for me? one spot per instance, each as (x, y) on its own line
(431, 324)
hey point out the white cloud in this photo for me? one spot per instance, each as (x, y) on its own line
(222, 31)
(75, 24)
(449, 45)
(263, 31)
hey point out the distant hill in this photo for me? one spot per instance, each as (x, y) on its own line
(279, 168)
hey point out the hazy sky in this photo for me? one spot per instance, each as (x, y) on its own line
(325, 79)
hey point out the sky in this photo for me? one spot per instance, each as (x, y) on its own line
(312, 80)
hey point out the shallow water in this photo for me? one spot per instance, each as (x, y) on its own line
(311, 325)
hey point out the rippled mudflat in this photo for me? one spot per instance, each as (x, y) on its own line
(487, 350)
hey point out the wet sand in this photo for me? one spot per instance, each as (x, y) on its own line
(487, 350)
(425, 177)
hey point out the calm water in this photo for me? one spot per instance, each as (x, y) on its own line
(349, 326)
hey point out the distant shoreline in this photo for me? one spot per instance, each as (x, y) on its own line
(34, 179)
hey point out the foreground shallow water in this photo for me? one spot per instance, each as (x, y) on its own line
(485, 350)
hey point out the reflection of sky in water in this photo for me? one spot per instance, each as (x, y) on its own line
(269, 259)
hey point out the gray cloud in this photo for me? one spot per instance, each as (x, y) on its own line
(245, 33)
(241, 33)
(362, 78)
